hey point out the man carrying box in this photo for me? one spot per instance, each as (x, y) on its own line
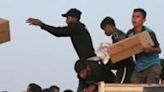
(126, 66)
(147, 65)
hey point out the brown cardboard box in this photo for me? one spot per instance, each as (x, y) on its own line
(4, 30)
(129, 46)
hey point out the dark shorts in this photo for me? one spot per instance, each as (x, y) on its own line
(162, 70)
(124, 71)
(149, 75)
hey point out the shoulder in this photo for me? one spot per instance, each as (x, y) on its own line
(148, 29)
(151, 32)
(153, 36)
(77, 25)
(129, 33)
(120, 31)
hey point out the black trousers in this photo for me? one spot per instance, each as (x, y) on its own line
(124, 70)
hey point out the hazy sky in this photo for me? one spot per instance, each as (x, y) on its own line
(34, 55)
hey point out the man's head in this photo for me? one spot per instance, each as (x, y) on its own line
(34, 88)
(72, 16)
(138, 17)
(82, 68)
(108, 25)
(45, 90)
(54, 88)
(68, 90)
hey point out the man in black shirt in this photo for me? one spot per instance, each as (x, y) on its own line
(92, 71)
(76, 30)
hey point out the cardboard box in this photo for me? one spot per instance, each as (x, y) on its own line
(4, 31)
(129, 46)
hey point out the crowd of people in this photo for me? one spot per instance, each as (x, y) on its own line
(95, 66)
(33, 87)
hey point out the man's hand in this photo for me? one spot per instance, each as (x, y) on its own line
(33, 21)
(147, 49)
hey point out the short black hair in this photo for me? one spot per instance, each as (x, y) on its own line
(107, 21)
(68, 90)
(45, 90)
(142, 11)
(81, 64)
(53, 87)
(34, 87)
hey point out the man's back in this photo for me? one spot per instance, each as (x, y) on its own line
(100, 72)
(82, 41)
(79, 35)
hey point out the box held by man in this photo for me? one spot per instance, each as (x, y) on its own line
(129, 46)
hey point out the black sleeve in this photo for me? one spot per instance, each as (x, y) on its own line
(119, 35)
(128, 33)
(153, 36)
(122, 35)
(58, 31)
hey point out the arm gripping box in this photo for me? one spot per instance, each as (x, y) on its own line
(129, 46)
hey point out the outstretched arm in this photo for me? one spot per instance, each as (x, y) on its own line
(57, 31)
(34, 21)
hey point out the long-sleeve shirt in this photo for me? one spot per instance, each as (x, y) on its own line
(79, 35)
